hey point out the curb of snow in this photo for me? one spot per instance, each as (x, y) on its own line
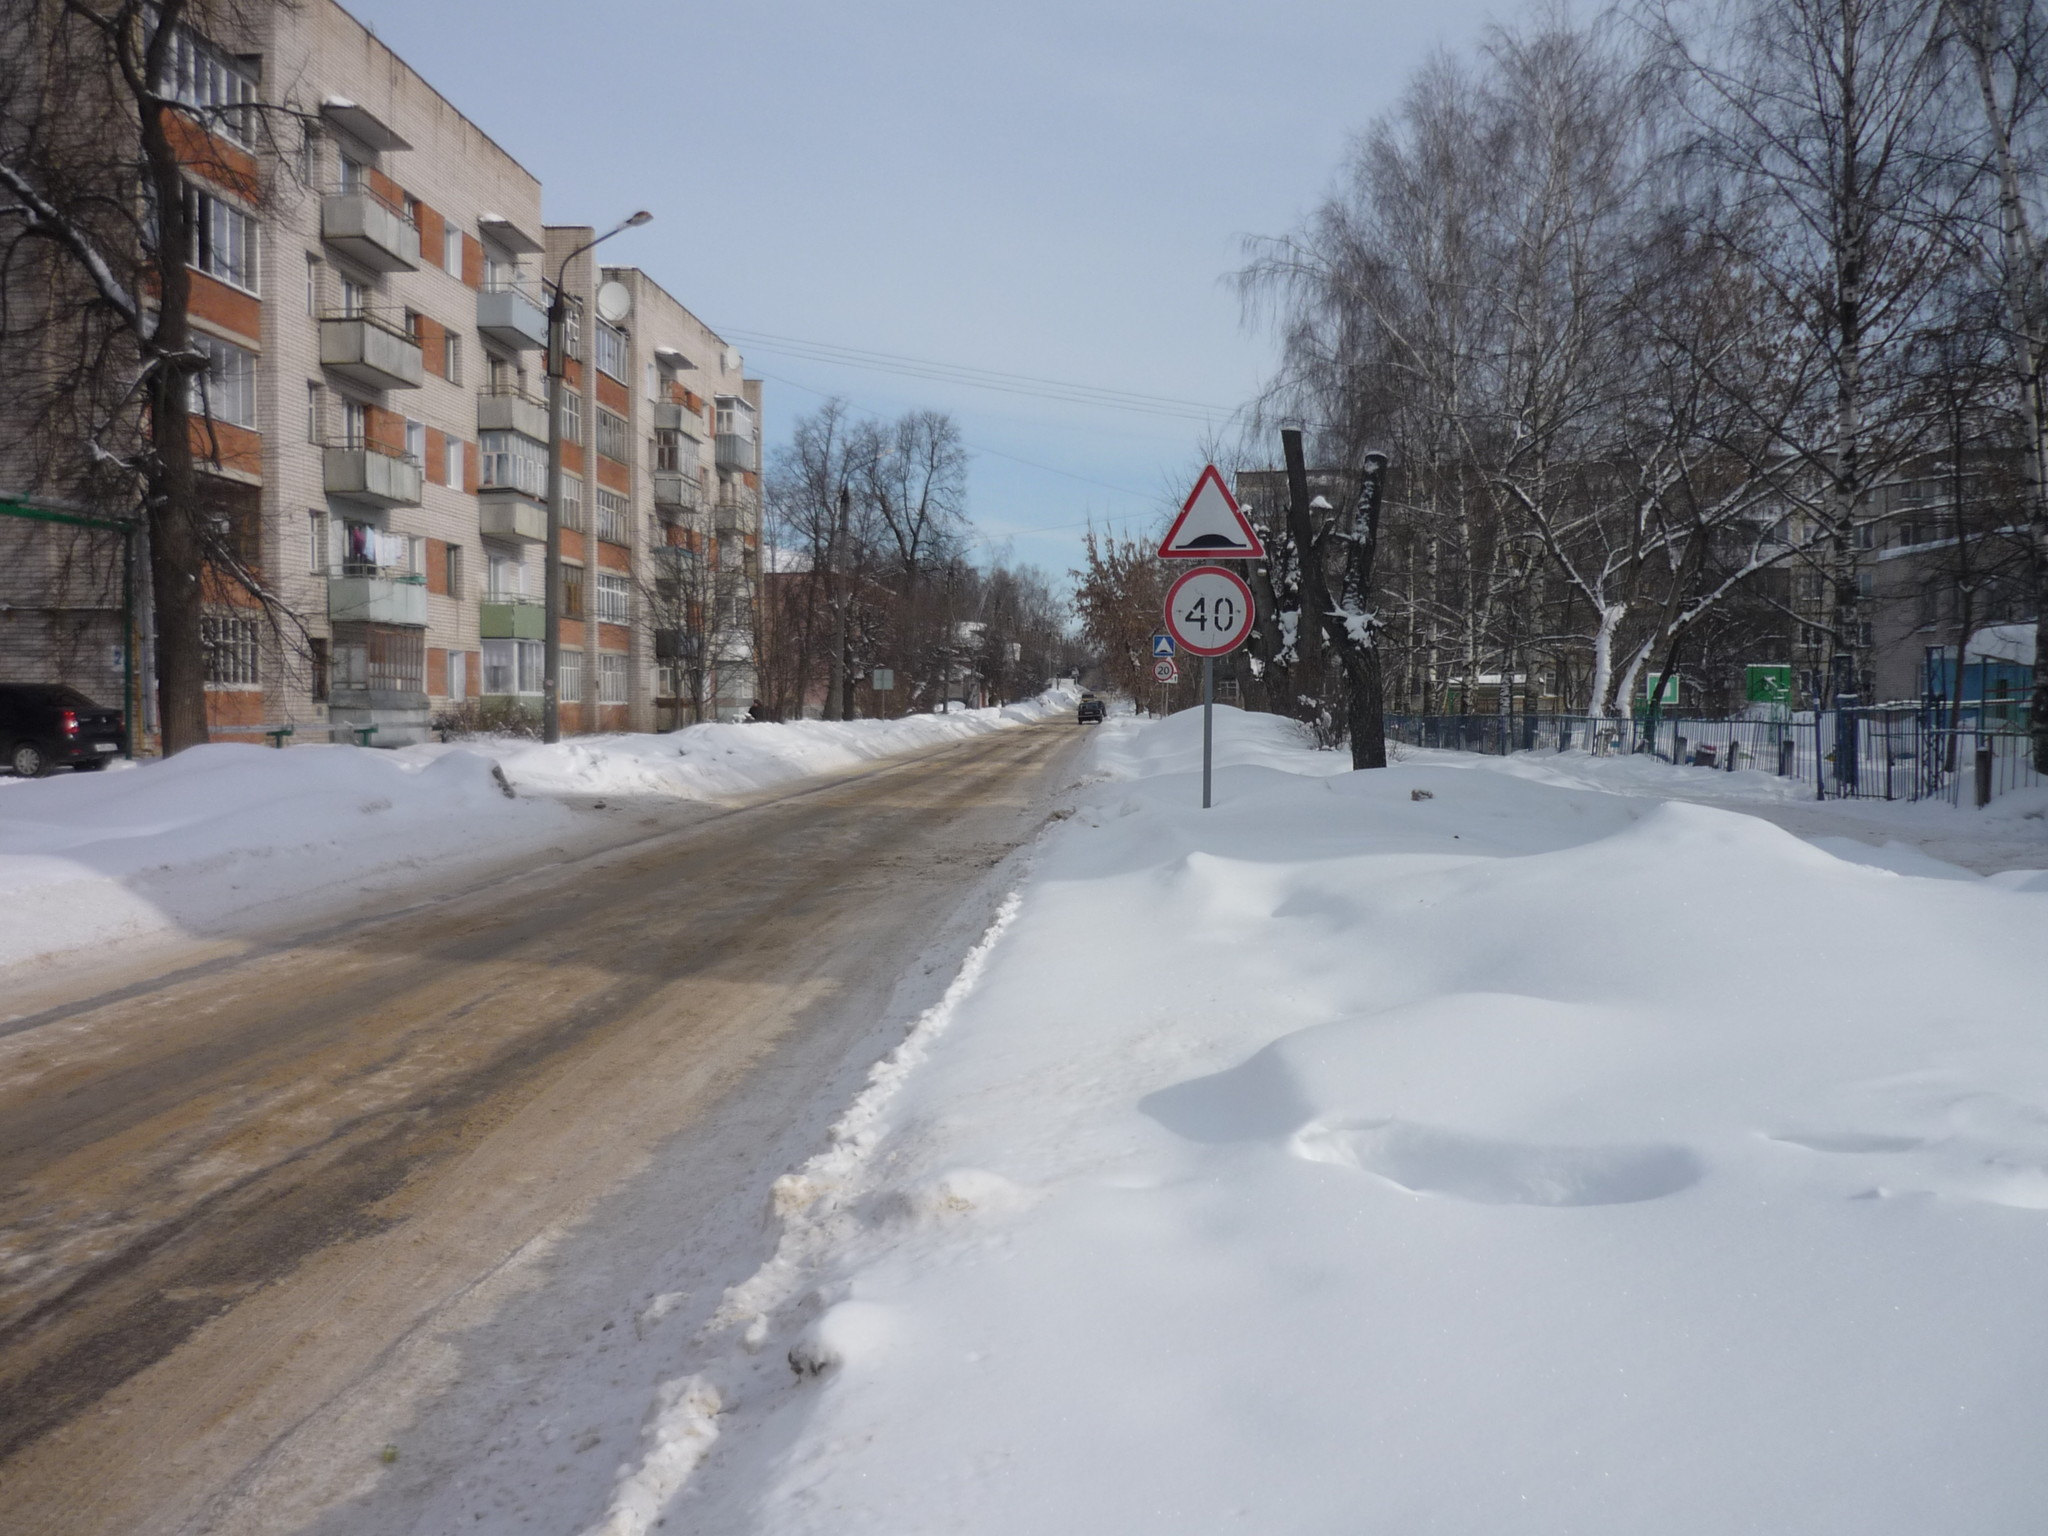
(809, 1203)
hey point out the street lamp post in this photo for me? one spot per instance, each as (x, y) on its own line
(558, 369)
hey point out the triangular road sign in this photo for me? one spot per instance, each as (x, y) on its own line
(1210, 526)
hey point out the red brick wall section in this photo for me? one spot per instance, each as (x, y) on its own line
(472, 261)
(612, 557)
(472, 468)
(437, 579)
(437, 670)
(229, 308)
(232, 169)
(239, 449)
(613, 395)
(431, 238)
(385, 429)
(612, 476)
(235, 706)
(386, 188)
(436, 466)
(435, 350)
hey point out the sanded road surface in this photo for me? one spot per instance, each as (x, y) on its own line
(233, 1195)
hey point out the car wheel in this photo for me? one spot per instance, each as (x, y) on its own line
(28, 761)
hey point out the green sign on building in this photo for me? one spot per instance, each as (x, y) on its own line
(1767, 683)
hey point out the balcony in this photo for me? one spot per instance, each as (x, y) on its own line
(381, 599)
(738, 433)
(512, 410)
(676, 493)
(673, 416)
(512, 618)
(511, 516)
(361, 225)
(511, 315)
(371, 350)
(736, 450)
(360, 472)
(731, 517)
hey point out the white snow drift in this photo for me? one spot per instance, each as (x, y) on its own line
(1524, 1158)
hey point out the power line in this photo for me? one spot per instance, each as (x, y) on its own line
(1031, 385)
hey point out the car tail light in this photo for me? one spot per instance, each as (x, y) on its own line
(70, 722)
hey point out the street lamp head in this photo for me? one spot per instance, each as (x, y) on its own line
(636, 220)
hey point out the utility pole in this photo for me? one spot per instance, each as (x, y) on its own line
(558, 372)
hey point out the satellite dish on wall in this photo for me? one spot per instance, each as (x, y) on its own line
(732, 359)
(614, 302)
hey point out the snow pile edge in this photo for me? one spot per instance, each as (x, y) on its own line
(809, 1204)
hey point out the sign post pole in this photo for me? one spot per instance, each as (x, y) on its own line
(1208, 718)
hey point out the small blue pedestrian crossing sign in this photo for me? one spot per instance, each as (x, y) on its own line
(1162, 645)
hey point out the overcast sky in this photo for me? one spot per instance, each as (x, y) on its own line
(1056, 190)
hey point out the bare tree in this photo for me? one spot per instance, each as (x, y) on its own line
(99, 128)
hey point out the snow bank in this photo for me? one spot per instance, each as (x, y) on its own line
(214, 838)
(224, 832)
(1431, 1149)
(706, 761)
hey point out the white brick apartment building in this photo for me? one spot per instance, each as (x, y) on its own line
(369, 284)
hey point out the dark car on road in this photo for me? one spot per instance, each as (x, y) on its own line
(47, 725)
(1092, 708)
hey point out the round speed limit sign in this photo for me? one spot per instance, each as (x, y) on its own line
(1209, 611)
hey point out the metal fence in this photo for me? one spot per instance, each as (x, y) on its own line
(1874, 754)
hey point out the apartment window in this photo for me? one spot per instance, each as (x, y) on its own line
(614, 437)
(355, 298)
(614, 518)
(452, 553)
(1866, 584)
(572, 503)
(513, 461)
(231, 644)
(318, 559)
(571, 410)
(227, 390)
(451, 357)
(572, 328)
(677, 451)
(507, 578)
(322, 668)
(380, 656)
(355, 424)
(571, 680)
(572, 591)
(614, 600)
(412, 326)
(1909, 534)
(611, 679)
(458, 681)
(451, 250)
(223, 239)
(216, 87)
(611, 350)
(416, 442)
(451, 463)
(355, 176)
(316, 410)
(313, 265)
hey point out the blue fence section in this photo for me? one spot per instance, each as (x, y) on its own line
(1874, 754)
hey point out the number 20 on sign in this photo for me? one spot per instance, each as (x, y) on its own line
(1209, 611)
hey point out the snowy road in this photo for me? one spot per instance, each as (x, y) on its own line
(259, 1217)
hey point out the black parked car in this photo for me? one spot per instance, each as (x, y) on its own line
(46, 725)
(1092, 708)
